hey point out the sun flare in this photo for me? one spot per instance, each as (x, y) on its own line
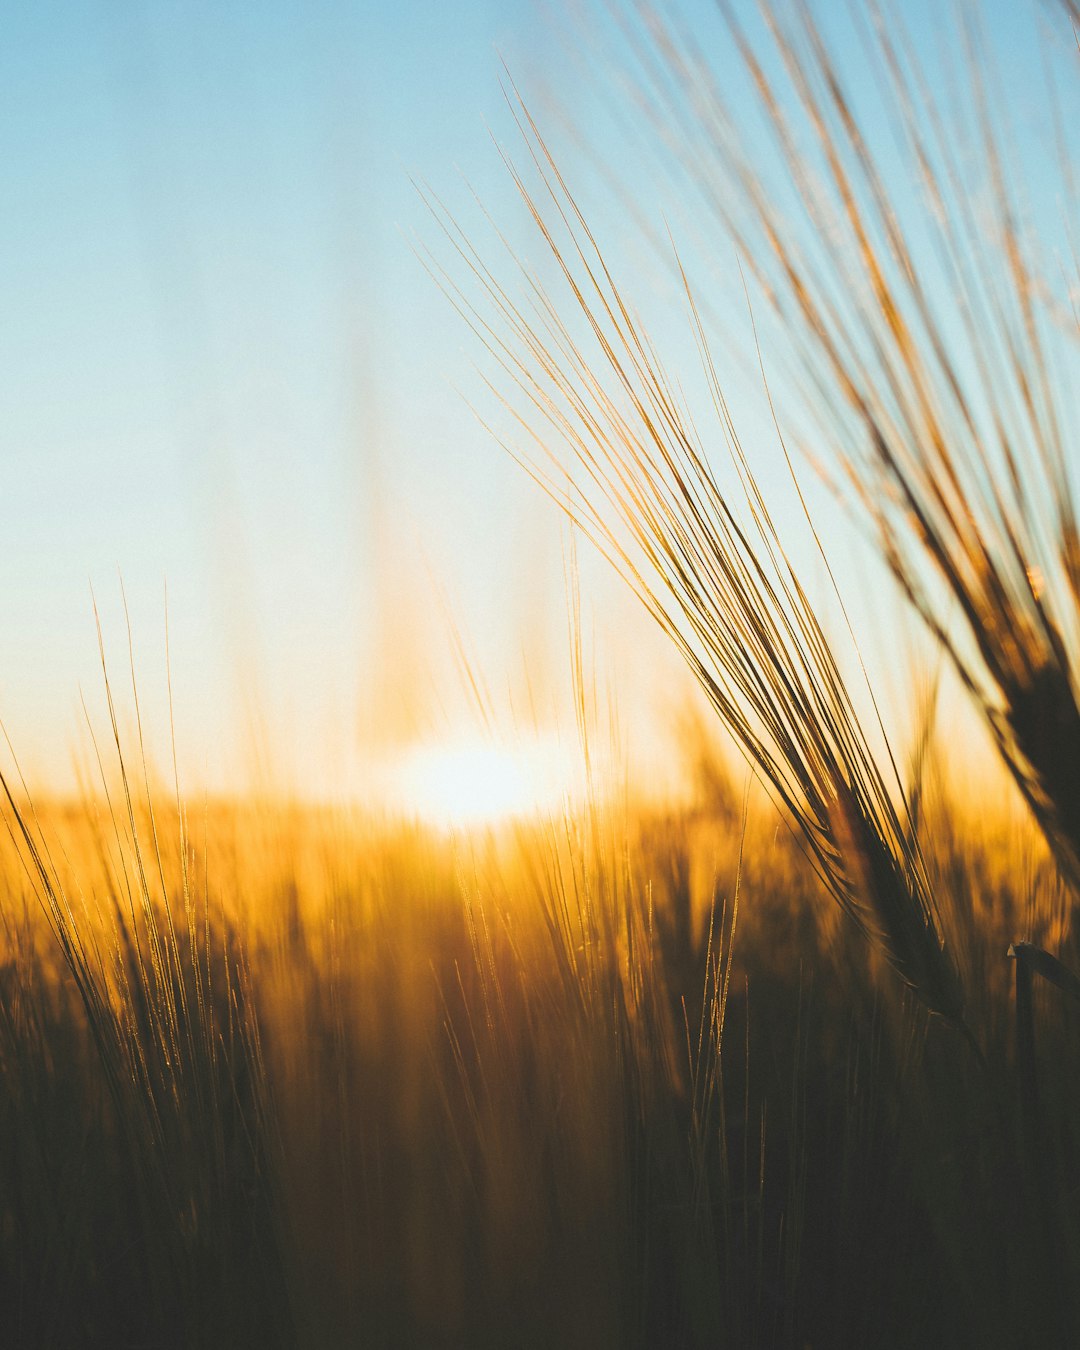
(467, 784)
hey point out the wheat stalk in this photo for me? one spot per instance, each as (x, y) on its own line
(722, 590)
(935, 346)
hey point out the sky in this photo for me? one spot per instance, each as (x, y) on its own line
(231, 393)
(226, 373)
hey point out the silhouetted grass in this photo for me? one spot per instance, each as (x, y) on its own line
(617, 1080)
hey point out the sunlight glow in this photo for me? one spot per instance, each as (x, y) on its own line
(476, 783)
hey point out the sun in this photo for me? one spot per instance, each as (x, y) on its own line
(474, 783)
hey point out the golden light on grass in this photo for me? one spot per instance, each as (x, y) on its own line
(276, 1071)
(476, 782)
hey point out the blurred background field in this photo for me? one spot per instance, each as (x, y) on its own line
(620, 1077)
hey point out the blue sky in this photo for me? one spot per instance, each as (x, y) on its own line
(221, 355)
(223, 367)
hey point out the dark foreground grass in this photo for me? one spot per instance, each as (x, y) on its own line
(521, 1091)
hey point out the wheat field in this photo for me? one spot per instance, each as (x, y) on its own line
(790, 1061)
(286, 1077)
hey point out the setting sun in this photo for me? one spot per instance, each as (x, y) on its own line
(470, 783)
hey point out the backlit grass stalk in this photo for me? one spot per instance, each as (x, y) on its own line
(164, 999)
(723, 591)
(932, 336)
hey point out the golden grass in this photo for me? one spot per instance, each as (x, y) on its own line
(928, 338)
(929, 320)
(723, 591)
(276, 1076)
(601, 1081)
